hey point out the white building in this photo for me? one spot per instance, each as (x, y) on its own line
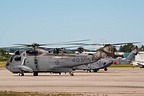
(140, 56)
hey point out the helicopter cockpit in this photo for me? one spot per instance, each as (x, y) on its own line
(16, 56)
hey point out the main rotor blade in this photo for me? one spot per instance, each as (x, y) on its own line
(82, 44)
(79, 40)
(58, 43)
(85, 44)
(31, 45)
(71, 47)
(68, 42)
(125, 43)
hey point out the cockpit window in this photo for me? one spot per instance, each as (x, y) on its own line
(11, 58)
(17, 52)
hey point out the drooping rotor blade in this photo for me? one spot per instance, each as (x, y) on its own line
(85, 44)
(76, 44)
(113, 44)
(11, 47)
(68, 42)
(58, 43)
(71, 47)
(125, 43)
(32, 45)
(76, 41)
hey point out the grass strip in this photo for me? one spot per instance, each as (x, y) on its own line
(12, 93)
(121, 66)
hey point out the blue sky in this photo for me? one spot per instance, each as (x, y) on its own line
(48, 21)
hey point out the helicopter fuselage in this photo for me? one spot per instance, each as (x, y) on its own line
(38, 59)
(46, 63)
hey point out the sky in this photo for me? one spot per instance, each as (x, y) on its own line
(50, 21)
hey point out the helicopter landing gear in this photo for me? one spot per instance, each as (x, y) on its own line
(21, 73)
(89, 70)
(95, 70)
(71, 73)
(142, 66)
(105, 69)
(35, 74)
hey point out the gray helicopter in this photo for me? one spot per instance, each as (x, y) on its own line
(106, 62)
(36, 59)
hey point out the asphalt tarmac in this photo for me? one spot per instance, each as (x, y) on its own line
(114, 82)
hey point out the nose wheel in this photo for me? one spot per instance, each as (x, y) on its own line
(71, 73)
(21, 73)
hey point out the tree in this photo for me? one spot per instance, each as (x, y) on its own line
(2, 52)
(141, 48)
(127, 48)
(3, 55)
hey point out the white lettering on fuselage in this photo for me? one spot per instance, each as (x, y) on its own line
(81, 60)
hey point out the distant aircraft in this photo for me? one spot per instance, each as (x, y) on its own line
(139, 60)
(138, 63)
(100, 64)
(106, 62)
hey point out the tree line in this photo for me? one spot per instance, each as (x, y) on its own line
(129, 47)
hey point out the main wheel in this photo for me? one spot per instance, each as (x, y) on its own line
(35, 74)
(71, 74)
(89, 70)
(21, 73)
(95, 70)
(105, 69)
(142, 66)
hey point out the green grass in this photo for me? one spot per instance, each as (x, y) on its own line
(121, 66)
(11, 93)
(4, 58)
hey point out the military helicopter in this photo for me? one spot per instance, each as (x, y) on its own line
(106, 62)
(36, 59)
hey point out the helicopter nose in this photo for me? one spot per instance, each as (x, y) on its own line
(7, 66)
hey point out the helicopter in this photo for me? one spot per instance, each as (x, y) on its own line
(106, 62)
(37, 60)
